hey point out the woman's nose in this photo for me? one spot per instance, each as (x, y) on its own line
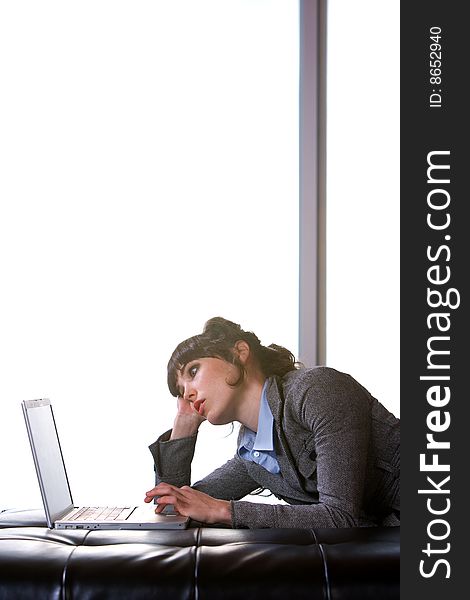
(189, 393)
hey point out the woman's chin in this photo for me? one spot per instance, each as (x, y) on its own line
(217, 420)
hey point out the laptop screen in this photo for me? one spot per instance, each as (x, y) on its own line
(48, 458)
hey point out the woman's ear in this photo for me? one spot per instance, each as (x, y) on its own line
(242, 351)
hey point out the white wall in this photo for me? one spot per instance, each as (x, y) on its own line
(149, 155)
(363, 198)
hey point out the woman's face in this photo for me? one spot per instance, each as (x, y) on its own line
(205, 383)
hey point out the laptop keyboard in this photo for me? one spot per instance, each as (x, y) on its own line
(99, 513)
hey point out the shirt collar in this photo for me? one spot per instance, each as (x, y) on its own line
(264, 435)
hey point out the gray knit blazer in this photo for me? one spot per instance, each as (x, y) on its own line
(338, 450)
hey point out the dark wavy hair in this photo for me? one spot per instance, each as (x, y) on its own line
(218, 340)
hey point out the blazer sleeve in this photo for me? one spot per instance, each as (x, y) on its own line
(336, 410)
(173, 465)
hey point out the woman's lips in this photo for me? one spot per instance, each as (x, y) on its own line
(198, 406)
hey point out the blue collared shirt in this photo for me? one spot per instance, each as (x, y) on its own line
(259, 447)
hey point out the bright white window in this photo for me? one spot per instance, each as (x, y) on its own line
(149, 155)
(363, 196)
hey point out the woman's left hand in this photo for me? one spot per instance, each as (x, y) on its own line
(191, 503)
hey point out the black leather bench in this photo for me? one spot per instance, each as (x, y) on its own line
(197, 563)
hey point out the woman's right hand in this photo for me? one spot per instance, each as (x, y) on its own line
(187, 420)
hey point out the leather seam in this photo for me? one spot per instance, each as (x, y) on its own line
(64, 594)
(325, 571)
(196, 564)
(325, 568)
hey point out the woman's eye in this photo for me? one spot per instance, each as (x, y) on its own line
(192, 371)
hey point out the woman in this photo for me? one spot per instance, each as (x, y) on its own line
(313, 437)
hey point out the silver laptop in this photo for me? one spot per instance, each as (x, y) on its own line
(55, 489)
